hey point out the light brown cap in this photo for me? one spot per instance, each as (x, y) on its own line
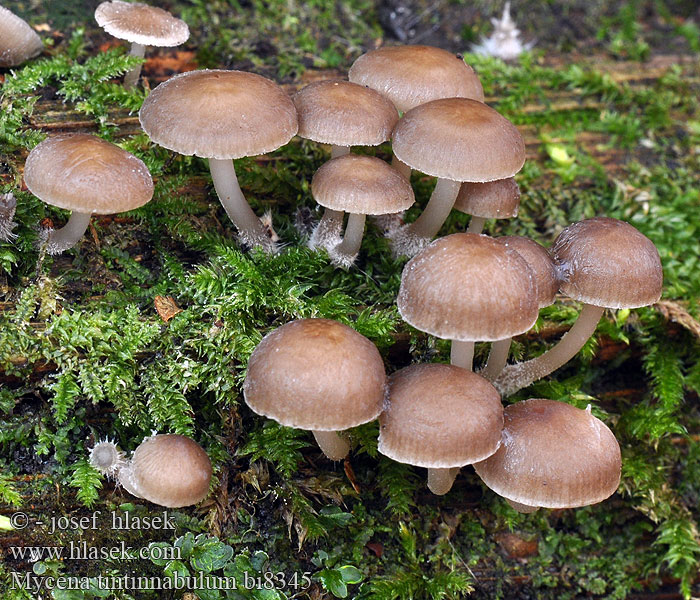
(468, 287)
(459, 139)
(141, 24)
(413, 75)
(440, 416)
(219, 114)
(169, 470)
(345, 114)
(541, 263)
(361, 185)
(18, 41)
(316, 374)
(553, 455)
(82, 172)
(606, 262)
(491, 200)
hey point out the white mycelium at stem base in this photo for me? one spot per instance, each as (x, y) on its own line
(60, 240)
(250, 228)
(107, 458)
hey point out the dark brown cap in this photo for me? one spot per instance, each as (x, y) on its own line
(553, 455)
(219, 114)
(459, 139)
(361, 185)
(316, 374)
(18, 41)
(345, 114)
(607, 262)
(540, 262)
(468, 287)
(82, 172)
(169, 470)
(141, 24)
(440, 416)
(491, 200)
(413, 75)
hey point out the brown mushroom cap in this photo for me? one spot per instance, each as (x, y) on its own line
(440, 416)
(497, 199)
(316, 374)
(553, 455)
(459, 139)
(345, 114)
(541, 263)
(18, 41)
(413, 75)
(169, 470)
(141, 24)
(361, 185)
(219, 114)
(607, 262)
(468, 287)
(82, 172)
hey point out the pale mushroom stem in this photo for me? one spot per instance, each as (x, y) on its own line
(498, 356)
(332, 445)
(352, 239)
(522, 508)
(249, 226)
(329, 228)
(518, 376)
(476, 225)
(462, 354)
(70, 234)
(440, 480)
(401, 167)
(132, 77)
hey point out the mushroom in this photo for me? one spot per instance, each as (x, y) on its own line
(455, 140)
(441, 417)
(603, 263)
(466, 287)
(359, 185)
(412, 75)
(168, 469)
(552, 455)
(87, 175)
(142, 25)
(316, 374)
(342, 114)
(220, 116)
(491, 200)
(18, 41)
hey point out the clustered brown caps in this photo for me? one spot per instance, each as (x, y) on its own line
(18, 41)
(553, 455)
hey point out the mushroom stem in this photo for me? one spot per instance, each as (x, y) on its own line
(249, 226)
(337, 151)
(401, 167)
(132, 77)
(476, 224)
(462, 354)
(522, 508)
(518, 376)
(497, 359)
(439, 206)
(70, 234)
(352, 239)
(328, 231)
(332, 445)
(440, 480)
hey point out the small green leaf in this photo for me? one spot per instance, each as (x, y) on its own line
(211, 555)
(350, 574)
(332, 580)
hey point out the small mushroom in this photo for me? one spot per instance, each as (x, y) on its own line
(220, 116)
(18, 41)
(87, 175)
(441, 417)
(316, 374)
(552, 455)
(603, 263)
(491, 200)
(359, 185)
(142, 25)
